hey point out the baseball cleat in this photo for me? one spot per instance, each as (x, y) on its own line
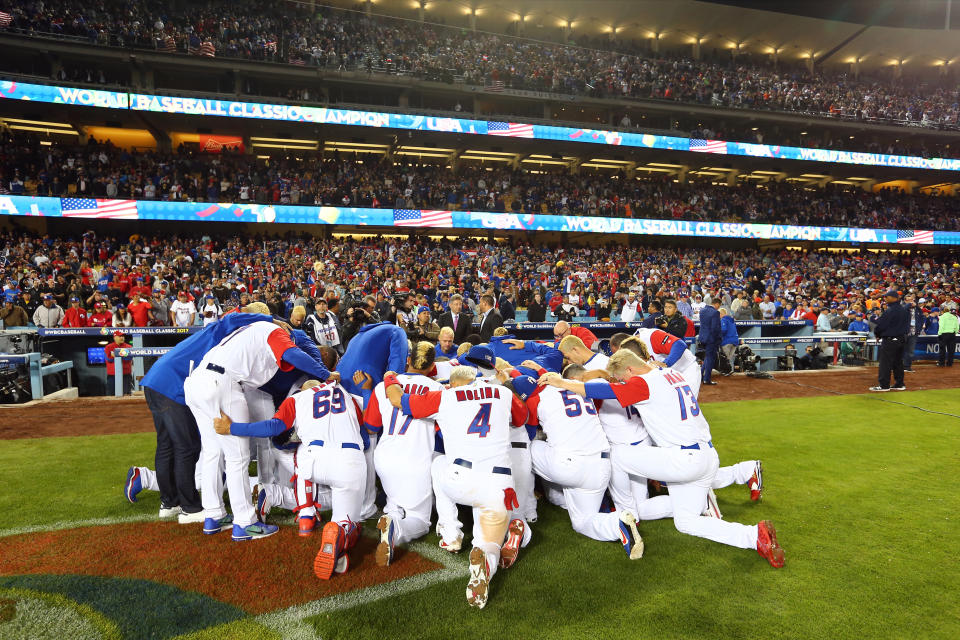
(879, 388)
(452, 547)
(511, 548)
(306, 525)
(264, 504)
(168, 512)
(630, 536)
(254, 531)
(479, 586)
(767, 545)
(216, 525)
(133, 486)
(713, 509)
(756, 483)
(900, 388)
(190, 518)
(332, 542)
(388, 531)
(343, 564)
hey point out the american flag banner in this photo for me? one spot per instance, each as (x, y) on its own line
(168, 45)
(422, 218)
(98, 208)
(708, 146)
(496, 86)
(910, 236)
(207, 50)
(5, 19)
(510, 129)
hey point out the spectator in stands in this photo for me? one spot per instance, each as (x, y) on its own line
(536, 310)
(12, 314)
(654, 311)
(183, 313)
(121, 317)
(49, 314)
(630, 308)
(75, 315)
(210, 312)
(823, 321)
(506, 307)
(566, 310)
(159, 309)
(767, 308)
(101, 316)
(140, 309)
(29, 302)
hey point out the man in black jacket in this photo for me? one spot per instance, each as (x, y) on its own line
(891, 329)
(489, 317)
(672, 321)
(537, 311)
(457, 319)
(916, 329)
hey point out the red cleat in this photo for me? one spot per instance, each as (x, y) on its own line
(756, 483)
(332, 543)
(511, 548)
(767, 545)
(306, 525)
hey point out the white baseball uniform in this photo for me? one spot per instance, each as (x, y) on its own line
(403, 457)
(660, 343)
(475, 422)
(328, 419)
(250, 355)
(683, 455)
(575, 456)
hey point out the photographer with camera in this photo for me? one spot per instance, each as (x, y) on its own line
(404, 310)
(323, 327)
(358, 316)
(424, 328)
(672, 321)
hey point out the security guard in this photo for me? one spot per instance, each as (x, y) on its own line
(891, 330)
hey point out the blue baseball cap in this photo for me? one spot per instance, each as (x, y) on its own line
(423, 308)
(604, 347)
(482, 356)
(48, 296)
(525, 387)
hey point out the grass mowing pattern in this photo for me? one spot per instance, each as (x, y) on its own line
(863, 493)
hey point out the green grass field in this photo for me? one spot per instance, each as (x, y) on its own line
(863, 492)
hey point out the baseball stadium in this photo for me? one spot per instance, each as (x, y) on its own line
(472, 319)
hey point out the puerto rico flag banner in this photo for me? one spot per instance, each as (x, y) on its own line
(98, 208)
(708, 146)
(422, 218)
(909, 236)
(510, 129)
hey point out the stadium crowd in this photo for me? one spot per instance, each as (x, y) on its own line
(100, 170)
(182, 280)
(350, 40)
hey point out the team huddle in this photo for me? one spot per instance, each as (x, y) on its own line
(478, 431)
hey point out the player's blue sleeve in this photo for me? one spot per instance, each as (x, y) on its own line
(365, 396)
(306, 344)
(399, 350)
(372, 429)
(676, 352)
(547, 357)
(599, 390)
(438, 442)
(305, 363)
(531, 431)
(405, 404)
(233, 321)
(261, 429)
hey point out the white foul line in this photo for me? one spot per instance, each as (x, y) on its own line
(76, 524)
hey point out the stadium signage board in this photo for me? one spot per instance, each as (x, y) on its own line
(74, 207)
(323, 115)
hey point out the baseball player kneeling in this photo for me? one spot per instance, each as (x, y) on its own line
(683, 455)
(576, 457)
(403, 456)
(474, 417)
(327, 420)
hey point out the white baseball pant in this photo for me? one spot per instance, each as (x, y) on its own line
(344, 470)
(479, 488)
(408, 486)
(626, 491)
(260, 407)
(689, 474)
(522, 476)
(207, 392)
(583, 479)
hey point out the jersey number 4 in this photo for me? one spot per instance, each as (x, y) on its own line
(694, 406)
(322, 403)
(481, 421)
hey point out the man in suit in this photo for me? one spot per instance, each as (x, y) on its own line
(490, 318)
(710, 337)
(457, 319)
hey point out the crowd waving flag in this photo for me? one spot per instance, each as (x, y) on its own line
(422, 218)
(910, 236)
(99, 208)
(510, 129)
(708, 146)
(5, 19)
